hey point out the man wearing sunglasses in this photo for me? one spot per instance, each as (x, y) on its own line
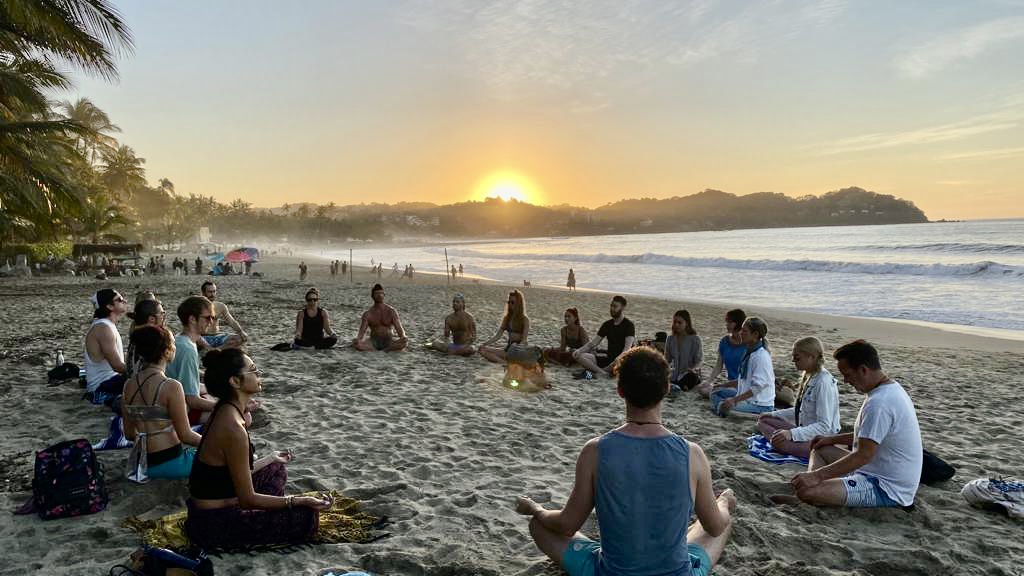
(196, 315)
(313, 325)
(104, 351)
(212, 339)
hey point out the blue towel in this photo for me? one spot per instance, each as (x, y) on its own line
(115, 438)
(761, 449)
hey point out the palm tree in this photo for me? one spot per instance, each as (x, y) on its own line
(122, 171)
(99, 216)
(87, 114)
(86, 33)
(38, 159)
(166, 186)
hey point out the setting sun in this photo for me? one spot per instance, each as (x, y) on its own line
(507, 185)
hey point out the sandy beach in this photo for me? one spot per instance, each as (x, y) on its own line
(439, 446)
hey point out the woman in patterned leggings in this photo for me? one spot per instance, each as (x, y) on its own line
(236, 500)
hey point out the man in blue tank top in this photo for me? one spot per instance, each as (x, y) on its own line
(645, 482)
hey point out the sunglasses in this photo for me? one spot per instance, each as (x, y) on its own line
(119, 299)
(256, 371)
(312, 299)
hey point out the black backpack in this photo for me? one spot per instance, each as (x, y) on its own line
(68, 481)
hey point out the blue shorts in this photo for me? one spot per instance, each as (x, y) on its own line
(863, 491)
(216, 340)
(582, 555)
(180, 467)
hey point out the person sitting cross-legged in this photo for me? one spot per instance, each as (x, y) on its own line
(883, 468)
(313, 325)
(645, 482)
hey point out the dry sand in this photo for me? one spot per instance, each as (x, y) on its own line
(439, 446)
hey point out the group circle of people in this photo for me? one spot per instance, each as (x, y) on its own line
(640, 473)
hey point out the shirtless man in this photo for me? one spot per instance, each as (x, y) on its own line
(460, 328)
(386, 333)
(212, 338)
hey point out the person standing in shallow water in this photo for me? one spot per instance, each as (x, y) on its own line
(302, 271)
(570, 283)
(639, 476)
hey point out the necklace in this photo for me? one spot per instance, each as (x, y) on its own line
(642, 423)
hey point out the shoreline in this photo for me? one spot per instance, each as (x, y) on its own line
(892, 331)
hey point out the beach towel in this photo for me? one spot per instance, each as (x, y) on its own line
(115, 436)
(761, 449)
(342, 523)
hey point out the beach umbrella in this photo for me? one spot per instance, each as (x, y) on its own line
(216, 257)
(243, 255)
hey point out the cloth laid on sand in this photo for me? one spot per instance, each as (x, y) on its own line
(342, 523)
(761, 449)
(993, 493)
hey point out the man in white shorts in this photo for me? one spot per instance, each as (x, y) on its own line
(883, 467)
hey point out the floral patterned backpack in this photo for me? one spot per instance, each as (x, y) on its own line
(68, 481)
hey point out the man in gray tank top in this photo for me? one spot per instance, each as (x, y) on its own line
(637, 476)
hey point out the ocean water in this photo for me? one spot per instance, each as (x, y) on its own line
(961, 273)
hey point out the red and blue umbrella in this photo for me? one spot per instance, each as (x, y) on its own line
(243, 255)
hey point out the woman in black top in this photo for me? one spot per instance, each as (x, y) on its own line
(237, 501)
(313, 325)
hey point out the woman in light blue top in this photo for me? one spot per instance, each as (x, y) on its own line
(730, 353)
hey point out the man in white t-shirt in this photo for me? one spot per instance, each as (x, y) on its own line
(883, 469)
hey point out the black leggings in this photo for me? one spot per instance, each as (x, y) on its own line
(319, 343)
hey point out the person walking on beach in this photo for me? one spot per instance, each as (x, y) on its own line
(302, 271)
(381, 329)
(882, 468)
(620, 333)
(755, 388)
(459, 330)
(571, 282)
(455, 272)
(213, 338)
(462, 273)
(645, 482)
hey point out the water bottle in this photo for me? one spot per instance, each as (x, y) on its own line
(60, 357)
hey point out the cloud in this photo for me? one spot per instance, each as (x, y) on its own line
(936, 55)
(1004, 118)
(953, 182)
(517, 47)
(993, 153)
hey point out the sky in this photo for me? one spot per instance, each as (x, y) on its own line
(582, 103)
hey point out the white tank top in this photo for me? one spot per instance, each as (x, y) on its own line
(98, 372)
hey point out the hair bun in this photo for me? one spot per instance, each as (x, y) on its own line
(211, 358)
